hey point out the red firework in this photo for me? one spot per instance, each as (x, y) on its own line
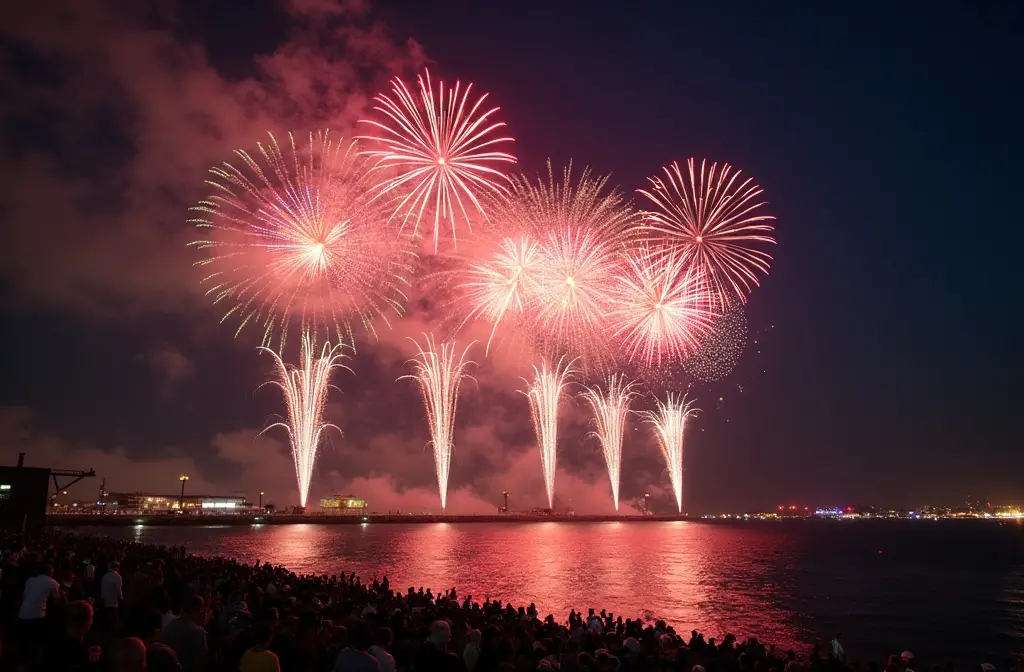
(291, 241)
(547, 264)
(440, 153)
(503, 284)
(576, 271)
(714, 217)
(661, 308)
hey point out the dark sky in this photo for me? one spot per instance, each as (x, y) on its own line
(886, 365)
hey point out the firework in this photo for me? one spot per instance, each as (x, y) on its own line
(660, 306)
(575, 279)
(669, 422)
(720, 348)
(611, 406)
(506, 281)
(305, 393)
(553, 258)
(715, 217)
(545, 394)
(439, 372)
(440, 154)
(293, 241)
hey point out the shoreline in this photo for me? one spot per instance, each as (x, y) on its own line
(246, 520)
(119, 520)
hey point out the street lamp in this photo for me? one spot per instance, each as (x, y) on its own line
(261, 500)
(505, 494)
(181, 503)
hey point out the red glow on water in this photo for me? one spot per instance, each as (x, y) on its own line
(685, 573)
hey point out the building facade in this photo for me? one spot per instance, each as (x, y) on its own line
(150, 503)
(343, 505)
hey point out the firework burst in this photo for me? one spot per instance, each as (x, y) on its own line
(669, 422)
(439, 370)
(573, 295)
(720, 348)
(544, 393)
(660, 307)
(715, 217)
(503, 283)
(293, 241)
(305, 394)
(552, 256)
(441, 154)
(610, 407)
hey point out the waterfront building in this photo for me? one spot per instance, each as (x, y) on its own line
(151, 503)
(344, 505)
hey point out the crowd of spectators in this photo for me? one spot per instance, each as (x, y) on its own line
(74, 602)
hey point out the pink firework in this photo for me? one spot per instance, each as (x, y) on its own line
(661, 308)
(503, 284)
(576, 275)
(441, 154)
(715, 218)
(292, 241)
(542, 272)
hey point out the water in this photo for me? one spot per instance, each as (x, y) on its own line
(945, 590)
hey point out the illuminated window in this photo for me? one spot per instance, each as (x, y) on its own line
(219, 505)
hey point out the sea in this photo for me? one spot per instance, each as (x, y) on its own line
(945, 590)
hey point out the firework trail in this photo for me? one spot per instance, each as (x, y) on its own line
(714, 216)
(293, 240)
(720, 348)
(506, 281)
(442, 153)
(660, 306)
(439, 372)
(611, 406)
(305, 394)
(552, 258)
(545, 394)
(669, 423)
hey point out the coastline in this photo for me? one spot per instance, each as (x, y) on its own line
(86, 520)
(246, 520)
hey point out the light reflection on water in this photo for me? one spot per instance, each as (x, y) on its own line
(952, 590)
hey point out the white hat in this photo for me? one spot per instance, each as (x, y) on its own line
(906, 655)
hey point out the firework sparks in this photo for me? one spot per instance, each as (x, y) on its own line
(669, 422)
(305, 393)
(720, 348)
(714, 216)
(545, 394)
(293, 240)
(443, 152)
(660, 306)
(439, 372)
(553, 259)
(610, 407)
(576, 275)
(504, 282)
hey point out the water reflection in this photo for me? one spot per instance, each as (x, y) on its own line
(787, 584)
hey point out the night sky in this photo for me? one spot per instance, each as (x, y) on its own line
(886, 364)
